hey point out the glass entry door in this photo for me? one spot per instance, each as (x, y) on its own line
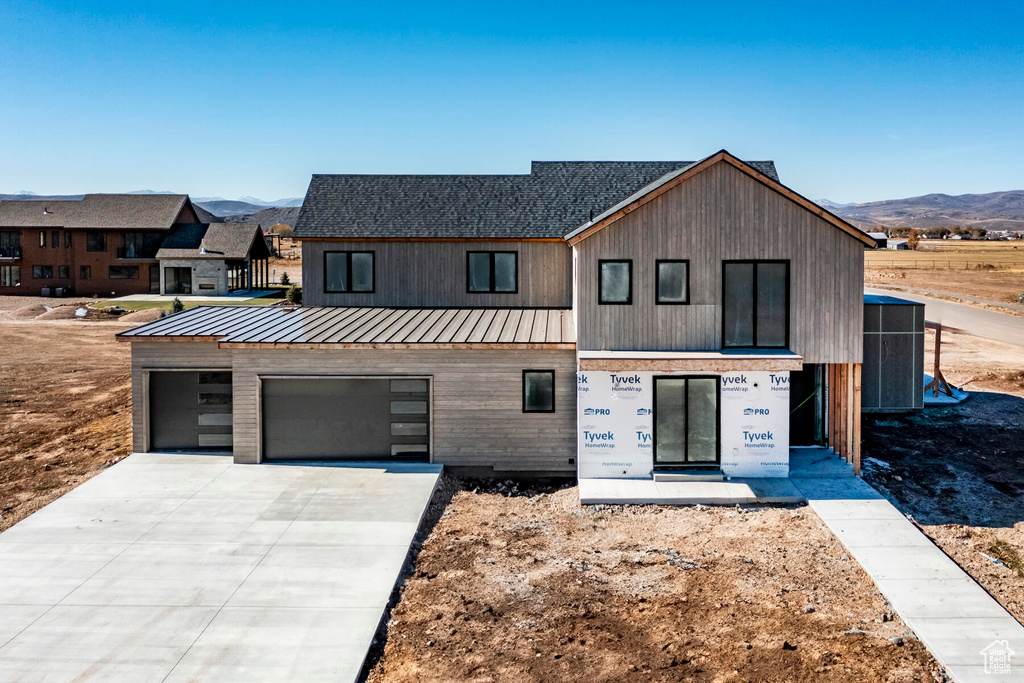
(685, 422)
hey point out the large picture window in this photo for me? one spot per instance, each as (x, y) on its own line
(177, 280)
(615, 281)
(492, 271)
(10, 244)
(42, 272)
(755, 305)
(95, 240)
(538, 391)
(348, 271)
(10, 276)
(123, 272)
(673, 282)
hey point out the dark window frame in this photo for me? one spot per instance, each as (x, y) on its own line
(490, 275)
(42, 273)
(55, 239)
(536, 371)
(789, 293)
(42, 239)
(717, 464)
(348, 272)
(91, 236)
(63, 272)
(600, 298)
(657, 283)
(84, 272)
(68, 242)
(11, 268)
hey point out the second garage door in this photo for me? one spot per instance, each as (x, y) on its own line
(351, 418)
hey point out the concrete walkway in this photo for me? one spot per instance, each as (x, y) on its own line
(952, 615)
(189, 567)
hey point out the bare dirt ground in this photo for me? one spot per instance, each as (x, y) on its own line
(65, 398)
(959, 470)
(533, 587)
(290, 261)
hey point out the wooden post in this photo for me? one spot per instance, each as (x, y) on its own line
(851, 415)
(856, 418)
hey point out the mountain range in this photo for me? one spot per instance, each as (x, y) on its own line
(992, 211)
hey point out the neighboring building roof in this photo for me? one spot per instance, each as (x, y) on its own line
(335, 326)
(680, 175)
(222, 241)
(546, 204)
(878, 235)
(111, 211)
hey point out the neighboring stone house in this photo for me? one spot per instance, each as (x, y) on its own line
(213, 259)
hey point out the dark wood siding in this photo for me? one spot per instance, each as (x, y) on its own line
(434, 274)
(722, 214)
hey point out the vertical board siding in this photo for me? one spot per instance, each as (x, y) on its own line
(722, 214)
(434, 274)
(477, 418)
(166, 356)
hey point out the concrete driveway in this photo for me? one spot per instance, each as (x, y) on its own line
(189, 567)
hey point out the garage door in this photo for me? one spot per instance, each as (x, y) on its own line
(345, 418)
(190, 411)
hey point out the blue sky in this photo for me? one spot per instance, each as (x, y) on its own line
(854, 101)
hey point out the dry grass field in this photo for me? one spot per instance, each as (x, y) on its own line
(988, 270)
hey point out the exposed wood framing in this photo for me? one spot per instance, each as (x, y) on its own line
(844, 408)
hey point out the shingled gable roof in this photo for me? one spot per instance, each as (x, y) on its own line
(223, 241)
(109, 211)
(678, 176)
(554, 198)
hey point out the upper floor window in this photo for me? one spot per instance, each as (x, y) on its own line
(492, 271)
(67, 239)
(42, 238)
(10, 243)
(615, 281)
(348, 271)
(95, 240)
(673, 282)
(55, 239)
(755, 304)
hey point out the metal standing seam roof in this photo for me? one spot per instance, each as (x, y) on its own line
(244, 325)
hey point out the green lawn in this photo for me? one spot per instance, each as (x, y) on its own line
(166, 305)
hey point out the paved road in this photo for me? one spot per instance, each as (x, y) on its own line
(189, 567)
(976, 321)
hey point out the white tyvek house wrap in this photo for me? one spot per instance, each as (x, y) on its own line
(755, 424)
(615, 424)
(614, 432)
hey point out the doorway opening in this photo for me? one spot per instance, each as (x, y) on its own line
(686, 423)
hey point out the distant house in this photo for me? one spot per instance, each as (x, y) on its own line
(896, 244)
(880, 238)
(214, 259)
(100, 244)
